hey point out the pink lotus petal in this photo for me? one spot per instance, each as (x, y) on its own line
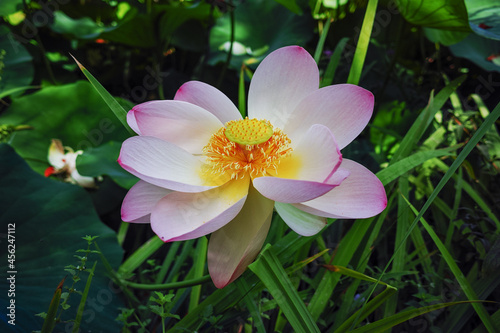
(210, 99)
(233, 247)
(306, 174)
(162, 163)
(140, 200)
(290, 190)
(183, 124)
(281, 81)
(315, 157)
(344, 108)
(132, 122)
(181, 216)
(361, 195)
(303, 223)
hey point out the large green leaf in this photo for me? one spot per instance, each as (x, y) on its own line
(8, 7)
(261, 26)
(439, 14)
(484, 17)
(50, 218)
(17, 70)
(73, 113)
(479, 50)
(103, 161)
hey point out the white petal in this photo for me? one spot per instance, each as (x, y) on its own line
(303, 223)
(210, 99)
(183, 124)
(182, 216)
(233, 247)
(281, 81)
(360, 195)
(344, 108)
(306, 174)
(162, 163)
(140, 200)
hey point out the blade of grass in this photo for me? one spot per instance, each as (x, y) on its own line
(81, 306)
(269, 269)
(334, 63)
(424, 120)
(244, 289)
(140, 255)
(117, 109)
(199, 266)
(489, 121)
(321, 42)
(50, 319)
(366, 310)
(363, 41)
(459, 276)
(387, 323)
(399, 168)
(242, 103)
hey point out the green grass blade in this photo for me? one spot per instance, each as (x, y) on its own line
(269, 269)
(81, 306)
(395, 170)
(367, 309)
(334, 63)
(363, 41)
(117, 109)
(354, 274)
(140, 255)
(242, 103)
(244, 288)
(199, 267)
(387, 323)
(321, 42)
(424, 120)
(50, 319)
(459, 276)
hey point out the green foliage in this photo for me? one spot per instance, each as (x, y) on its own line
(434, 143)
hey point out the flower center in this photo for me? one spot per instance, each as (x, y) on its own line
(248, 131)
(247, 146)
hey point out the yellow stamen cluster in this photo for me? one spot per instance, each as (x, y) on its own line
(228, 156)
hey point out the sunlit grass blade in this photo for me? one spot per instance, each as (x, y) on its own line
(389, 322)
(424, 120)
(269, 270)
(117, 109)
(363, 41)
(395, 170)
(352, 273)
(459, 276)
(50, 319)
(81, 306)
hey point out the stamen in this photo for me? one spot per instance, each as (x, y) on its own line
(226, 157)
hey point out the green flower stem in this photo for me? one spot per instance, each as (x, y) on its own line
(168, 286)
(363, 41)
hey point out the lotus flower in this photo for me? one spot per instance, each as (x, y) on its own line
(63, 163)
(204, 169)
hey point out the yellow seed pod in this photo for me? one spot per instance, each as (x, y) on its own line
(248, 131)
